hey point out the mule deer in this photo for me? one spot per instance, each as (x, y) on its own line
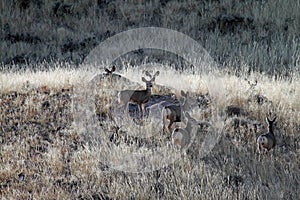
(182, 136)
(109, 77)
(112, 76)
(139, 97)
(267, 141)
(173, 112)
(110, 72)
(233, 110)
(154, 111)
(204, 100)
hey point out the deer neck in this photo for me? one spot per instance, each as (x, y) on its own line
(189, 126)
(148, 90)
(271, 129)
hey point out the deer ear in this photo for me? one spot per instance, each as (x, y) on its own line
(113, 68)
(183, 94)
(182, 100)
(107, 70)
(157, 73)
(147, 73)
(143, 79)
(187, 115)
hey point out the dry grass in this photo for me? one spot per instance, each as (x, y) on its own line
(44, 155)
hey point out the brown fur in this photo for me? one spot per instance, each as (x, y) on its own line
(173, 113)
(139, 97)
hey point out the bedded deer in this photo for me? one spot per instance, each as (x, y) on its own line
(109, 79)
(267, 141)
(113, 77)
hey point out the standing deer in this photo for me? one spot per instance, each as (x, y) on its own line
(154, 111)
(139, 97)
(267, 141)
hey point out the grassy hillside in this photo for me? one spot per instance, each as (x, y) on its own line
(51, 147)
(44, 154)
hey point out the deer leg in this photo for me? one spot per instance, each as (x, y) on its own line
(170, 125)
(141, 111)
(127, 111)
(164, 118)
(167, 116)
(164, 123)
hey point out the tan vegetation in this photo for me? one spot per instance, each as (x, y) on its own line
(50, 150)
(44, 155)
